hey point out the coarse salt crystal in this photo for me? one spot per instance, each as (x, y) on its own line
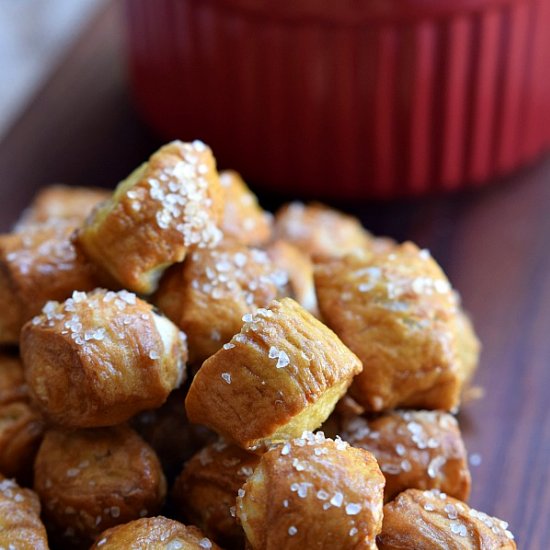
(283, 360)
(352, 509)
(400, 449)
(435, 466)
(475, 459)
(455, 527)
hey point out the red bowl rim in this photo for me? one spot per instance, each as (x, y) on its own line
(356, 12)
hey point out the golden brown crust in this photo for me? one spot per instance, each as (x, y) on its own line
(320, 231)
(426, 520)
(382, 245)
(299, 269)
(281, 375)
(415, 449)
(20, 525)
(172, 436)
(206, 490)
(62, 202)
(158, 533)
(12, 379)
(38, 264)
(11, 320)
(21, 430)
(21, 426)
(469, 348)
(243, 220)
(347, 407)
(313, 493)
(169, 205)
(99, 358)
(398, 313)
(208, 294)
(89, 480)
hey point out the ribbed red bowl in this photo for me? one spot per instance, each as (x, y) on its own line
(349, 98)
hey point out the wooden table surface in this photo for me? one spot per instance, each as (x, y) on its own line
(494, 245)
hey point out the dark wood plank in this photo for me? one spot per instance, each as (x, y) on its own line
(493, 243)
(496, 254)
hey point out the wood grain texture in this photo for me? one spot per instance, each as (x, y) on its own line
(494, 244)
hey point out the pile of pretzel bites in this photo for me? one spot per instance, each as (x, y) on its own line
(183, 370)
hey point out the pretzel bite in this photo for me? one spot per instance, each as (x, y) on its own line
(243, 221)
(20, 525)
(62, 202)
(320, 231)
(299, 269)
(89, 480)
(427, 520)
(11, 318)
(415, 449)
(206, 490)
(172, 436)
(281, 375)
(158, 533)
(347, 407)
(168, 205)
(398, 313)
(21, 427)
(38, 264)
(209, 293)
(99, 358)
(382, 245)
(12, 379)
(313, 493)
(21, 430)
(469, 348)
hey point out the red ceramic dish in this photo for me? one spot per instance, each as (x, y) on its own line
(349, 98)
